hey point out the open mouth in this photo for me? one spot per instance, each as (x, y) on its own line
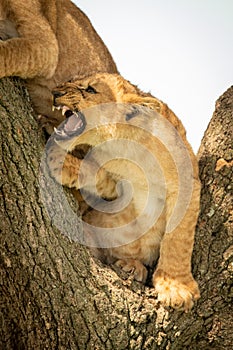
(74, 124)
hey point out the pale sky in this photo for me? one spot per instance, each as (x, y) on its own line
(179, 50)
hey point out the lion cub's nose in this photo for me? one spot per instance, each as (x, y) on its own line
(57, 94)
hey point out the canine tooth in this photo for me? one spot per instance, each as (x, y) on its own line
(64, 110)
(59, 132)
(53, 108)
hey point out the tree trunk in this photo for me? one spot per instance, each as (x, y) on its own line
(55, 296)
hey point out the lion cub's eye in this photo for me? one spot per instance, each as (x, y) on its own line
(90, 90)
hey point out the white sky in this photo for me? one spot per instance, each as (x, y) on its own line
(179, 50)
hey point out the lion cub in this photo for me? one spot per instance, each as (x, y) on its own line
(135, 137)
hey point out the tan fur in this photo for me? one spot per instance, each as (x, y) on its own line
(50, 41)
(172, 278)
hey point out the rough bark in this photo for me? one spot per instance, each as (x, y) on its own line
(54, 296)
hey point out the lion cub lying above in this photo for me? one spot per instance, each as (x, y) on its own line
(137, 138)
(47, 42)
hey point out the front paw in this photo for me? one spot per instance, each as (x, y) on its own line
(135, 267)
(172, 292)
(63, 167)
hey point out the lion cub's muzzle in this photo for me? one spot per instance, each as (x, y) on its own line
(75, 122)
(74, 125)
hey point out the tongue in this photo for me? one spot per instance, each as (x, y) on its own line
(73, 123)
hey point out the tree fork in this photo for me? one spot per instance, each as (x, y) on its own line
(55, 296)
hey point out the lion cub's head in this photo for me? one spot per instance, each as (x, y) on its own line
(103, 88)
(99, 88)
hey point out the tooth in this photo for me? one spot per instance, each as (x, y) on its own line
(58, 132)
(53, 108)
(63, 111)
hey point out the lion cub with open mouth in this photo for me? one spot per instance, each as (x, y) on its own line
(128, 155)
